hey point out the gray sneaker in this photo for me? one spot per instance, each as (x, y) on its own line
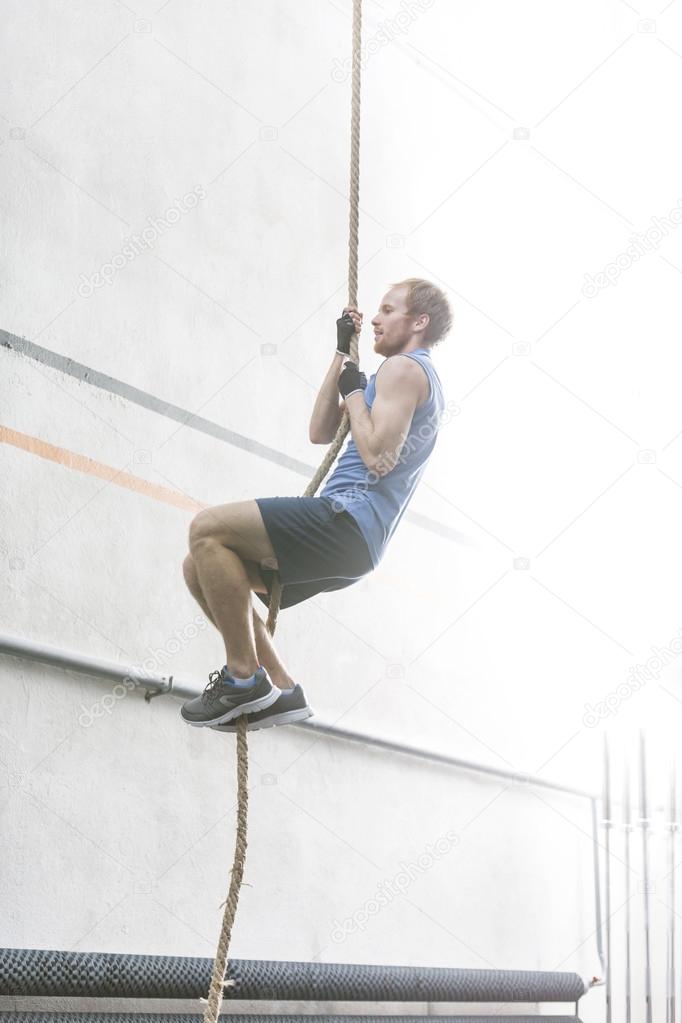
(223, 701)
(290, 705)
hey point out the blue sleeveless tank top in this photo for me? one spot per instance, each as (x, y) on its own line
(377, 503)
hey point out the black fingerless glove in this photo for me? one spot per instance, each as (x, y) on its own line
(351, 379)
(345, 329)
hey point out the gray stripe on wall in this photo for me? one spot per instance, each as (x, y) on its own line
(164, 408)
(149, 401)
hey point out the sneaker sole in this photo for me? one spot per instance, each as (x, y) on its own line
(277, 719)
(245, 708)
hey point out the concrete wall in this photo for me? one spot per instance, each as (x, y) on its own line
(506, 153)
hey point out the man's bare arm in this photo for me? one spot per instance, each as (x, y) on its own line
(380, 433)
(327, 412)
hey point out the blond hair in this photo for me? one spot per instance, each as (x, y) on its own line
(424, 297)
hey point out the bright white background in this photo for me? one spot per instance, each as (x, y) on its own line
(508, 151)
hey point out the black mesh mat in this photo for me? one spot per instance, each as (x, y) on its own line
(116, 975)
(117, 1017)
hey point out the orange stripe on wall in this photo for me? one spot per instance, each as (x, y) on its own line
(105, 472)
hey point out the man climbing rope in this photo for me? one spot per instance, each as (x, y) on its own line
(323, 543)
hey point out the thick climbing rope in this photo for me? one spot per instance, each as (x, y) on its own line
(344, 426)
(218, 983)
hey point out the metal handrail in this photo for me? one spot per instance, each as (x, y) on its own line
(156, 684)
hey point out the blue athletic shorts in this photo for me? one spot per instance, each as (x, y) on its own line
(317, 548)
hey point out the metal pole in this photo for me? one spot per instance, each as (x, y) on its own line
(71, 660)
(516, 777)
(645, 823)
(596, 869)
(98, 668)
(606, 804)
(672, 828)
(627, 812)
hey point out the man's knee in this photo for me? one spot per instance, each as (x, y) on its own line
(238, 531)
(189, 571)
(201, 528)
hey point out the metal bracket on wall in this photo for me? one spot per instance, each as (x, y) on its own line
(151, 693)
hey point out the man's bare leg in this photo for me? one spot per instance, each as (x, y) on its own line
(267, 655)
(227, 591)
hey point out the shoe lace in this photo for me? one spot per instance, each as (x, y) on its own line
(214, 678)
